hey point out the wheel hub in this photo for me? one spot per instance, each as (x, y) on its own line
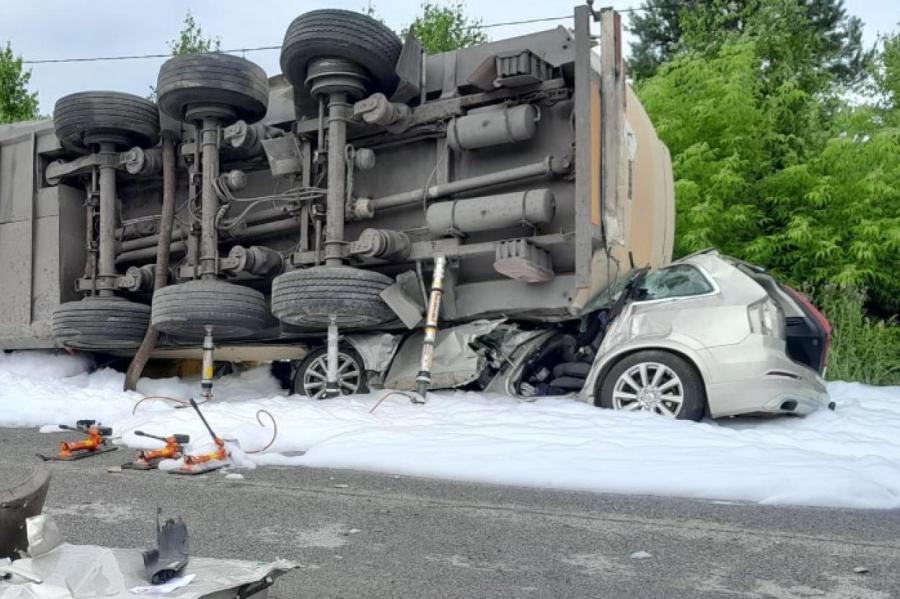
(649, 387)
(349, 376)
(326, 76)
(649, 397)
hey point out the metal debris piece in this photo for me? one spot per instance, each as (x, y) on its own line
(171, 555)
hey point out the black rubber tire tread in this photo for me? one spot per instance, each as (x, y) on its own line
(342, 34)
(694, 403)
(233, 311)
(100, 323)
(98, 112)
(306, 297)
(297, 381)
(221, 79)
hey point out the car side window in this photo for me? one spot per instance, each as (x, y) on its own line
(679, 280)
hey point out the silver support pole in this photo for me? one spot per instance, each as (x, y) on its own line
(206, 375)
(209, 243)
(337, 176)
(107, 250)
(332, 389)
(423, 379)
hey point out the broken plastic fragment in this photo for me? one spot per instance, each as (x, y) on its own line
(171, 555)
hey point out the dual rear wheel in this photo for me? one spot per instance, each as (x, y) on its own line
(82, 122)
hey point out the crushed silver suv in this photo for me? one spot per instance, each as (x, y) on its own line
(707, 335)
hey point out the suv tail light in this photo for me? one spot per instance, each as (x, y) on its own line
(766, 318)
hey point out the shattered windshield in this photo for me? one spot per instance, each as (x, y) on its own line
(611, 293)
(680, 280)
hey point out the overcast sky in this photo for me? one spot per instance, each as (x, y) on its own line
(84, 28)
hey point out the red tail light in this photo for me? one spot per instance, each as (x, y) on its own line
(814, 312)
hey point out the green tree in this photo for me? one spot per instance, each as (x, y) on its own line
(800, 182)
(887, 74)
(370, 11)
(192, 41)
(657, 27)
(826, 40)
(442, 28)
(16, 102)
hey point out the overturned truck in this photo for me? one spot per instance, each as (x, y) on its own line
(266, 210)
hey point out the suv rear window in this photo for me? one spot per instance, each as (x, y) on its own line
(680, 280)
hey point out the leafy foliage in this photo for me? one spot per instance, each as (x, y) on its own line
(192, 41)
(370, 11)
(442, 28)
(862, 349)
(823, 40)
(657, 27)
(16, 102)
(887, 77)
(771, 168)
(836, 218)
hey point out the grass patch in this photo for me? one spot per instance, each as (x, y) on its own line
(862, 349)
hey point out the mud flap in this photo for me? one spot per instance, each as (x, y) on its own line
(17, 503)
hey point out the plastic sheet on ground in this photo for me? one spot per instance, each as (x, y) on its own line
(89, 571)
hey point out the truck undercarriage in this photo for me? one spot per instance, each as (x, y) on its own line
(276, 212)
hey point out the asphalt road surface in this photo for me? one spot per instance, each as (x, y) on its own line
(365, 535)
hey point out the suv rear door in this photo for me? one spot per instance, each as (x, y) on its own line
(807, 331)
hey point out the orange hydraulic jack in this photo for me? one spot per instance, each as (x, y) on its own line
(147, 459)
(204, 462)
(94, 444)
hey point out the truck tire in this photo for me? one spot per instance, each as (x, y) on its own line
(220, 79)
(654, 381)
(341, 34)
(309, 297)
(100, 323)
(309, 379)
(128, 119)
(184, 310)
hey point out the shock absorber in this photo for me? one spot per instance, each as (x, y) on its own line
(332, 389)
(206, 376)
(423, 379)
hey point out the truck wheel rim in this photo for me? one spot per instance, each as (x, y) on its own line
(349, 376)
(649, 387)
